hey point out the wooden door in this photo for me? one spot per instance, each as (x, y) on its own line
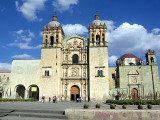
(74, 93)
(134, 94)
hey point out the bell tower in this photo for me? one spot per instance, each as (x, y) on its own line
(151, 57)
(98, 61)
(97, 33)
(52, 34)
(51, 59)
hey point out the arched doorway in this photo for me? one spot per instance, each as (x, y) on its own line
(20, 91)
(134, 94)
(34, 92)
(74, 93)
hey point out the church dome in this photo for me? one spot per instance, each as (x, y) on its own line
(127, 55)
(54, 22)
(97, 22)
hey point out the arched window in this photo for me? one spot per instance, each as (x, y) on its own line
(46, 42)
(46, 72)
(97, 39)
(46, 36)
(152, 59)
(100, 73)
(75, 59)
(103, 40)
(51, 40)
(92, 38)
(56, 38)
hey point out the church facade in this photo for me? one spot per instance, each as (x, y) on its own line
(77, 67)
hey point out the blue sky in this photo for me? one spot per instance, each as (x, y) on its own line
(133, 25)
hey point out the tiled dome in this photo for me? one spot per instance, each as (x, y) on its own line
(127, 55)
(54, 22)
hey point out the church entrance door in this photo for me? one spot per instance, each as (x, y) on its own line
(74, 93)
(134, 94)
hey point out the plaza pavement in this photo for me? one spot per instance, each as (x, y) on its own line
(40, 111)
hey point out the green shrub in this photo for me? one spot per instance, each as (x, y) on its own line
(98, 105)
(124, 106)
(134, 102)
(140, 106)
(85, 106)
(112, 106)
(149, 106)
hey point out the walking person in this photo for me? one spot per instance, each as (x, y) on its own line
(53, 99)
(42, 99)
(49, 99)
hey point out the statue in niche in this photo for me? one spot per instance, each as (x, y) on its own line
(80, 45)
(69, 45)
(66, 57)
(84, 74)
(75, 44)
(84, 57)
(75, 72)
(133, 79)
(66, 74)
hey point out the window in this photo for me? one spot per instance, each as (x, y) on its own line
(100, 73)
(75, 59)
(51, 40)
(46, 72)
(103, 38)
(56, 38)
(113, 75)
(131, 64)
(46, 42)
(152, 59)
(97, 39)
(92, 38)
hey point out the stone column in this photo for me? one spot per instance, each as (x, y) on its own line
(101, 44)
(25, 94)
(94, 39)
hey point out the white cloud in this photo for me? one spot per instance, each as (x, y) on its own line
(41, 33)
(156, 30)
(110, 25)
(23, 39)
(132, 38)
(63, 5)
(23, 56)
(30, 8)
(70, 29)
(5, 66)
(112, 59)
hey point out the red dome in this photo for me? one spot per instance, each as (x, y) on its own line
(127, 55)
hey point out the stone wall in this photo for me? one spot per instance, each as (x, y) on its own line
(98, 114)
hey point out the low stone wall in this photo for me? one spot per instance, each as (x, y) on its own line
(100, 114)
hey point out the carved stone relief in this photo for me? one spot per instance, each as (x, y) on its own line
(75, 72)
(133, 77)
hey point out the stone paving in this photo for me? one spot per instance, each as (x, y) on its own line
(50, 107)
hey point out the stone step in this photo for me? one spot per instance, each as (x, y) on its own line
(5, 112)
(38, 115)
(40, 111)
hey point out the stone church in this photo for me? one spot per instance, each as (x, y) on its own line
(77, 67)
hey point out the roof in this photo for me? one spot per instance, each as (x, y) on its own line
(127, 55)
(5, 72)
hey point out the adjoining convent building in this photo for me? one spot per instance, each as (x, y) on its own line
(77, 67)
